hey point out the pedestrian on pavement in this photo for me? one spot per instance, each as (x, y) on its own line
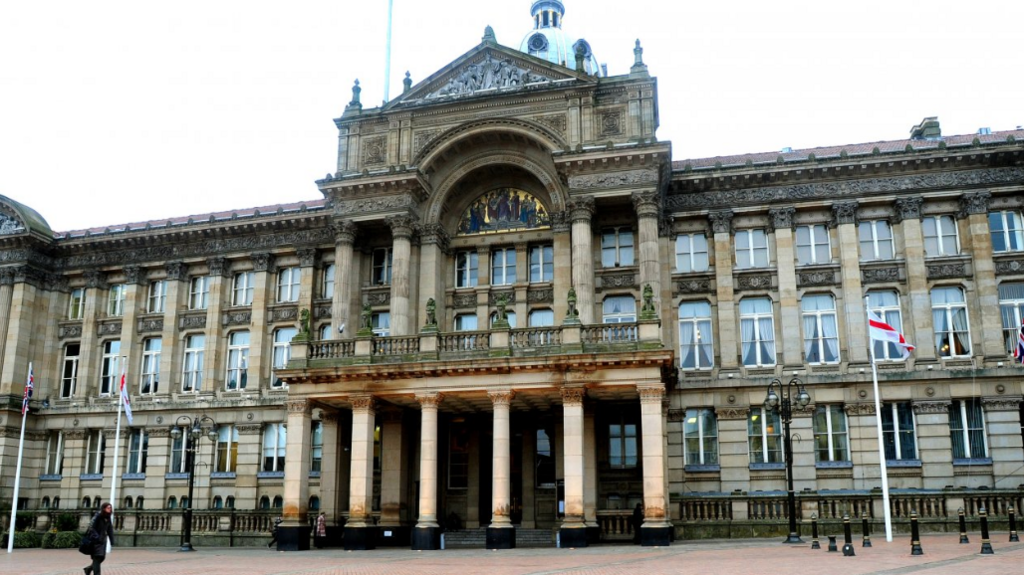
(100, 529)
(321, 531)
(638, 520)
(273, 532)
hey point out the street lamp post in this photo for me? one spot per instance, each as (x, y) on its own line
(782, 400)
(194, 426)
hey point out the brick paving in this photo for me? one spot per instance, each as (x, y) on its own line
(943, 555)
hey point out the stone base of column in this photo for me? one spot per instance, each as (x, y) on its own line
(294, 538)
(593, 534)
(426, 538)
(501, 538)
(655, 536)
(572, 537)
(360, 538)
(393, 535)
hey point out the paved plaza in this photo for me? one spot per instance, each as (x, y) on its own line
(943, 555)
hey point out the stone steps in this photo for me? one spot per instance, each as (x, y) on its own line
(477, 538)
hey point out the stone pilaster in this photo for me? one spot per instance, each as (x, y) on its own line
(219, 299)
(434, 249)
(933, 443)
(589, 470)
(6, 292)
(260, 360)
(785, 261)
(733, 450)
(581, 210)
(562, 251)
(1003, 425)
(344, 238)
(358, 531)
(907, 212)
(989, 338)
(293, 534)
(573, 529)
(394, 494)
(426, 535)
(501, 533)
(863, 434)
(721, 226)
(402, 229)
(656, 528)
(844, 218)
(329, 465)
(171, 354)
(133, 300)
(648, 213)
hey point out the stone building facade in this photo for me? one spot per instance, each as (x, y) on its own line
(511, 310)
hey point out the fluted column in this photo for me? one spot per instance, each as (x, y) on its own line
(427, 533)
(344, 238)
(990, 337)
(655, 530)
(844, 218)
(581, 210)
(293, 534)
(434, 247)
(908, 212)
(402, 228)
(501, 533)
(358, 531)
(573, 531)
(648, 213)
(721, 226)
(26, 295)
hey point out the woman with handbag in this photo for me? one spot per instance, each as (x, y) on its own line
(100, 529)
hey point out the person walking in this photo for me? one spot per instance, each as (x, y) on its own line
(273, 533)
(321, 531)
(638, 520)
(100, 529)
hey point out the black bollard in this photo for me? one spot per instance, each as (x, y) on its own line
(1013, 527)
(915, 535)
(847, 537)
(963, 527)
(814, 532)
(832, 547)
(866, 542)
(986, 545)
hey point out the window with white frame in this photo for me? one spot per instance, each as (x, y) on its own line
(282, 350)
(466, 264)
(898, 435)
(238, 360)
(812, 245)
(757, 332)
(69, 373)
(316, 446)
(696, 349)
(325, 332)
(327, 282)
(542, 263)
(541, 318)
(764, 432)
(157, 296)
(274, 441)
(54, 464)
(109, 371)
(76, 304)
(138, 449)
(622, 445)
(381, 267)
(1007, 231)
(886, 304)
(967, 429)
(940, 236)
(949, 314)
(192, 368)
(380, 323)
(178, 456)
(692, 252)
(150, 378)
(510, 317)
(821, 332)
(1011, 307)
(227, 449)
(288, 285)
(831, 438)
(619, 309)
(242, 289)
(465, 322)
(503, 266)
(617, 247)
(700, 433)
(95, 450)
(751, 249)
(199, 292)
(115, 300)
(876, 240)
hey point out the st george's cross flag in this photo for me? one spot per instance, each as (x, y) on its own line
(124, 400)
(29, 386)
(881, 331)
(1018, 353)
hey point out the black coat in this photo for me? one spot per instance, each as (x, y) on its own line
(101, 528)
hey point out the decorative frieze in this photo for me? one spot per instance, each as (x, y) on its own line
(816, 278)
(192, 321)
(72, 330)
(108, 328)
(494, 296)
(859, 409)
(236, 317)
(844, 213)
(694, 285)
(376, 204)
(279, 314)
(1001, 403)
(322, 312)
(947, 271)
(540, 296)
(880, 275)
(150, 325)
(378, 297)
(249, 429)
(613, 179)
(1009, 267)
(721, 221)
(464, 300)
(754, 282)
(781, 218)
(624, 280)
(933, 407)
(974, 203)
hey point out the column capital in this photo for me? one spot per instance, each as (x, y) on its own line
(1001, 403)
(581, 209)
(53, 281)
(501, 397)
(921, 407)
(665, 222)
(250, 429)
(261, 261)
(844, 213)
(329, 417)
(219, 266)
(301, 406)
(781, 218)
(363, 404)
(573, 395)
(95, 279)
(435, 234)
(307, 257)
(974, 203)
(430, 400)
(6, 276)
(176, 271)
(133, 275)
(721, 221)
(30, 275)
(402, 226)
(732, 412)
(560, 222)
(345, 232)
(651, 394)
(859, 409)
(647, 204)
(908, 208)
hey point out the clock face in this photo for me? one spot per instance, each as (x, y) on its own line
(538, 43)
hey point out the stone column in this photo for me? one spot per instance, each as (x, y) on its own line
(590, 476)
(562, 251)
(933, 443)
(220, 299)
(573, 531)
(6, 292)
(134, 296)
(250, 460)
(863, 435)
(1003, 425)
(648, 213)
(733, 449)
(293, 534)
(434, 249)
(158, 460)
(908, 212)
(500, 533)
(359, 531)
(805, 472)
(427, 534)
(261, 359)
(729, 350)
(91, 354)
(394, 500)
(656, 529)
(844, 218)
(308, 259)
(581, 210)
(170, 353)
(344, 238)
(785, 260)
(990, 337)
(402, 228)
(329, 466)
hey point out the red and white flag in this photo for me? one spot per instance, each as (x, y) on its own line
(125, 400)
(881, 331)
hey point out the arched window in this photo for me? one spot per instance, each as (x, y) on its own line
(127, 502)
(264, 503)
(96, 503)
(139, 501)
(86, 503)
(45, 503)
(278, 502)
(218, 503)
(56, 502)
(230, 502)
(172, 503)
(314, 503)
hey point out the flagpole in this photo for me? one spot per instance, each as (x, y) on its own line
(17, 477)
(117, 449)
(878, 426)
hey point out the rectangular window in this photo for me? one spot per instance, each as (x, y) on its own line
(1011, 307)
(109, 371)
(157, 296)
(465, 322)
(542, 264)
(466, 264)
(751, 249)
(1007, 231)
(54, 454)
(316, 447)
(949, 314)
(381, 267)
(967, 429)
(227, 449)
(282, 350)
(178, 459)
(622, 446)
(695, 339)
(886, 303)
(812, 245)
(458, 457)
(940, 236)
(288, 285)
(831, 440)
(545, 462)
(115, 300)
(76, 304)
(503, 266)
(617, 247)
(199, 292)
(821, 332)
(274, 442)
(876, 241)
(700, 432)
(243, 288)
(192, 370)
(757, 331)
(380, 322)
(327, 282)
(151, 348)
(898, 431)
(619, 309)
(764, 431)
(95, 450)
(69, 375)
(138, 448)
(238, 361)
(691, 253)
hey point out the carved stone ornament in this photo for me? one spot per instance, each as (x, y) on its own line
(435, 234)
(150, 325)
(974, 203)
(377, 298)
(781, 218)
(880, 275)
(10, 225)
(934, 407)
(375, 150)
(1009, 267)
(298, 406)
(501, 397)
(363, 404)
(1001, 403)
(95, 279)
(613, 179)
(251, 429)
(176, 271)
(947, 271)
(133, 275)
(581, 209)
(573, 395)
(493, 297)
(844, 213)
(486, 74)
(307, 257)
(430, 400)
(907, 209)
(109, 328)
(377, 204)
(329, 417)
(540, 296)
(695, 285)
(72, 330)
(219, 267)
(6, 276)
(647, 204)
(651, 394)
(611, 123)
(754, 282)
(721, 221)
(239, 317)
(53, 282)
(464, 300)
(421, 138)
(192, 321)
(676, 415)
(618, 280)
(290, 313)
(158, 432)
(666, 229)
(323, 312)
(556, 122)
(560, 222)
(859, 409)
(816, 278)
(30, 275)
(261, 261)
(732, 412)
(345, 232)
(403, 226)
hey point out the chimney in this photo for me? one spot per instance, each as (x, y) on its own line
(928, 129)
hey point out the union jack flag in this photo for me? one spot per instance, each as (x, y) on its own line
(29, 385)
(1018, 353)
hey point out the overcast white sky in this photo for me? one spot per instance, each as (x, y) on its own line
(120, 111)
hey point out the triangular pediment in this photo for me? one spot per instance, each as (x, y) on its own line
(489, 69)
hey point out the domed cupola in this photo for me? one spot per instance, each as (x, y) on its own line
(548, 41)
